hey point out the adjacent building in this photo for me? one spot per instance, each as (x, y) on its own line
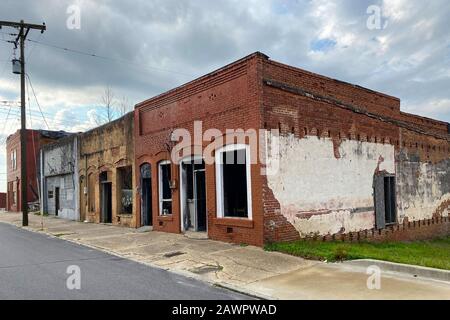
(310, 157)
(59, 178)
(106, 173)
(35, 140)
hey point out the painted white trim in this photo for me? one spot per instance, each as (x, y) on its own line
(219, 179)
(160, 190)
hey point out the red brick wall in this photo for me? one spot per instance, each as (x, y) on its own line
(242, 95)
(407, 231)
(226, 99)
(322, 106)
(3, 200)
(33, 147)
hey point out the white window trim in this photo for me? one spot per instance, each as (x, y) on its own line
(160, 192)
(219, 180)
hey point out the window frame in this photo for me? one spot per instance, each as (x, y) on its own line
(160, 189)
(121, 174)
(219, 180)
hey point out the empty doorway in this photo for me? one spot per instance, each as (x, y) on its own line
(82, 198)
(193, 195)
(106, 198)
(57, 204)
(146, 195)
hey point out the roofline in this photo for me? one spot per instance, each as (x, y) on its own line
(425, 118)
(333, 79)
(107, 124)
(212, 73)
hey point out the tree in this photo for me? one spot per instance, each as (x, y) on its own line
(124, 106)
(107, 112)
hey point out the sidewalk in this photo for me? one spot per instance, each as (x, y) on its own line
(247, 269)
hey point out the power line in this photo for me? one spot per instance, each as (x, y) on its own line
(37, 115)
(107, 58)
(37, 102)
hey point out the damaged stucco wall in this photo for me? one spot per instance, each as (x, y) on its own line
(59, 170)
(324, 187)
(423, 188)
(106, 149)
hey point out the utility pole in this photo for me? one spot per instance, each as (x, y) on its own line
(23, 28)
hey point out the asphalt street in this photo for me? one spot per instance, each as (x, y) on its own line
(35, 266)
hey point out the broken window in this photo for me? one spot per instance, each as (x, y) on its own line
(233, 182)
(385, 201)
(126, 189)
(165, 191)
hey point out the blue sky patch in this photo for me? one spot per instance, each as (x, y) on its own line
(323, 45)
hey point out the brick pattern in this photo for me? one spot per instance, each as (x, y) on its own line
(226, 99)
(34, 142)
(236, 96)
(408, 231)
(303, 115)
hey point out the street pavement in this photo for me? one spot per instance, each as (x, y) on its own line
(34, 266)
(242, 268)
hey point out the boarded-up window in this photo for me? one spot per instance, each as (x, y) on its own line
(124, 176)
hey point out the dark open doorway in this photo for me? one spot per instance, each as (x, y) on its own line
(106, 198)
(146, 195)
(193, 195)
(57, 201)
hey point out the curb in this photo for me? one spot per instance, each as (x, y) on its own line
(184, 273)
(410, 270)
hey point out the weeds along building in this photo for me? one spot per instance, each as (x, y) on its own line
(106, 173)
(35, 140)
(347, 162)
(59, 178)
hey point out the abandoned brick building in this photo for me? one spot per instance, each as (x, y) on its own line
(346, 160)
(35, 140)
(106, 173)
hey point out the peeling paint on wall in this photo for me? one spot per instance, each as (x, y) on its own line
(320, 193)
(60, 164)
(424, 188)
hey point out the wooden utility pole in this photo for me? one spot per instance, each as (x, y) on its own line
(23, 29)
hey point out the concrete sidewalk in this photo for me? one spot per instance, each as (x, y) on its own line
(247, 269)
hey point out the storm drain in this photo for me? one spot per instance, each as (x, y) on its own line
(206, 269)
(173, 254)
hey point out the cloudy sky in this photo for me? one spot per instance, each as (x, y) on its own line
(145, 47)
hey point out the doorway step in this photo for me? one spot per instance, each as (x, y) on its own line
(196, 235)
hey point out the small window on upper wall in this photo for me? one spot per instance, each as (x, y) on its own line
(233, 186)
(165, 191)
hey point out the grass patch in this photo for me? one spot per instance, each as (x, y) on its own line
(433, 253)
